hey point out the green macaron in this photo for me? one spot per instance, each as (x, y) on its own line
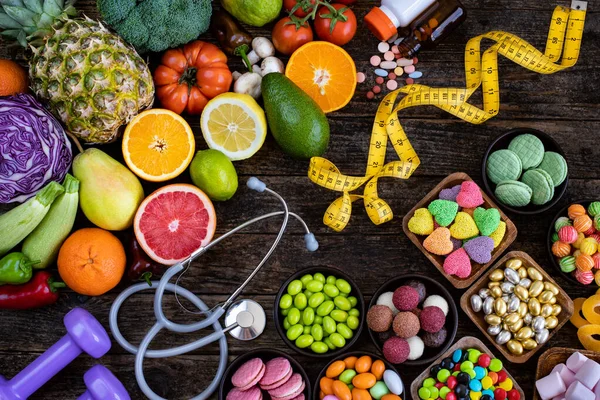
(503, 165)
(513, 193)
(556, 166)
(541, 185)
(529, 148)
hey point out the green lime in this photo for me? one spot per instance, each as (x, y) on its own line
(253, 12)
(214, 174)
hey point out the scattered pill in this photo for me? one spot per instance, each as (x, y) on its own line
(376, 89)
(360, 77)
(403, 62)
(397, 56)
(393, 38)
(433, 23)
(389, 56)
(395, 49)
(392, 85)
(383, 47)
(379, 80)
(370, 95)
(415, 60)
(387, 65)
(409, 69)
(398, 71)
(410, 81)
(392, 76)
(375, 61)
(398, 41)
(416, 75)
(381, 72)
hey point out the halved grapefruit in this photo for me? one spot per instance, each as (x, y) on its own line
(173, 222)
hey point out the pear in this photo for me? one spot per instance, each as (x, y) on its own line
(109, 193)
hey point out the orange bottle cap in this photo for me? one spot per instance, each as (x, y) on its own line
(380, 24)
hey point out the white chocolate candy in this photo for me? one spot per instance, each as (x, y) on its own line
(385, 299)
(437, 301)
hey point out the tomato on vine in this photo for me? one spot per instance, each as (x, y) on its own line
(299, 8)
(289, 33)
(335, 23)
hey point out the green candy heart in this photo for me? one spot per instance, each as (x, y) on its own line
(487, 220)
(444, 211)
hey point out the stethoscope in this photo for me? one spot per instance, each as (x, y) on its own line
(244, 319)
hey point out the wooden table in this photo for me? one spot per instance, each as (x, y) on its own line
(565, 105)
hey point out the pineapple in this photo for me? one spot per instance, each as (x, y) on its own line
(89, 77)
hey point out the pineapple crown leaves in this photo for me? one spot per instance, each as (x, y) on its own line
(29, 21)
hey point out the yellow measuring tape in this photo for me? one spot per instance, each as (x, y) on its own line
(566, 31)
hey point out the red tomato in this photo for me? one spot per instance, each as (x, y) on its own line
(346, 2)
(288, 36)
(288, 5)
(343, 21)
(190, 76)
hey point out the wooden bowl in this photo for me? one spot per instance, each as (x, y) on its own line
(501, 142)
(557, 355)
(317, 387)
(360, 306)
(433, 287)
(464, 343)
(563, 299)
(477, 269)
(265, 355)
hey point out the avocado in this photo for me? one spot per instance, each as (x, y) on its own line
(296, 121)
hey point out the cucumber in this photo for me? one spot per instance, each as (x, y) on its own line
(45, 240)
(19, 222)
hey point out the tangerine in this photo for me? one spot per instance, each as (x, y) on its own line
(13, 78)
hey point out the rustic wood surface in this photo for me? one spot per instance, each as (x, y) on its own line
(566, 105)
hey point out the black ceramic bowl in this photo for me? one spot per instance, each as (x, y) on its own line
(265, 355)
(501, 142)
(360, 305)
(563, 213)
(374, 357)
(433, 287)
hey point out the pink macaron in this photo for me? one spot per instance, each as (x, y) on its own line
(249, 374)
(277, 372)
(289, 390)
(253, 393)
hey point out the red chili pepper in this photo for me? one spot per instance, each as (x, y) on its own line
(40, 291)
(141, 267)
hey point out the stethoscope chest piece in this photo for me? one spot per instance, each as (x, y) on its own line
(248, 316)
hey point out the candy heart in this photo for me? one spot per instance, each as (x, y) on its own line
(498, 234)
(421, 223)
(487, 220)
(457, 261)
(480, 249)
(450, 193)
(464, 226)
(439, 242)
(444, 211)
(470, 195)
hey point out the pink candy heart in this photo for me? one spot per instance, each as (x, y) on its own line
(470, 195)
(458, 263)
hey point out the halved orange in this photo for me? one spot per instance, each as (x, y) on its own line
(326, 72)
(158, 145)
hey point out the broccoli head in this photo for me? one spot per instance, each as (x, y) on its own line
(156, 25)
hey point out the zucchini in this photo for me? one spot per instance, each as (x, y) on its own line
(45, 240)
(17, 223)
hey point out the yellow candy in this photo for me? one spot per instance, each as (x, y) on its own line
(498, 234)
(580, 238)
(586, 336)
(588, 246)
(507, 384)
(421, 223)
(464, 227)
(487, 383)
(597, 280)
(577, 318)
(474, 395)
(576, 253)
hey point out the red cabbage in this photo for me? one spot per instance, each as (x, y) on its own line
(34, 148)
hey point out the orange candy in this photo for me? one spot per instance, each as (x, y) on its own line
(561, 249)
(576, 210)
(350, 362)
(363, 364)
(322, 395)
(365, 380)
(584, 263)
(586, 337)
(590, 307)
(335, 369)
(493, 376)
(577, 318)
(326, 385)
(582, 223)
(391, 397)
(361, 394)
(377, 369)
(341, 390)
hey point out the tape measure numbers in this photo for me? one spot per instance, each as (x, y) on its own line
(481, 69)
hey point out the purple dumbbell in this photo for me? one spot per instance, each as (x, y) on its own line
(103, 385)
(84, 334)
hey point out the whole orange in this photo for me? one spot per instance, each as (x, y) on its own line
(13, 78)
(91, 261)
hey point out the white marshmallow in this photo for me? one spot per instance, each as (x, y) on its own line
(578, 391)
(575, 361)
(566, 374)
(589, 373)
(550, 386)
